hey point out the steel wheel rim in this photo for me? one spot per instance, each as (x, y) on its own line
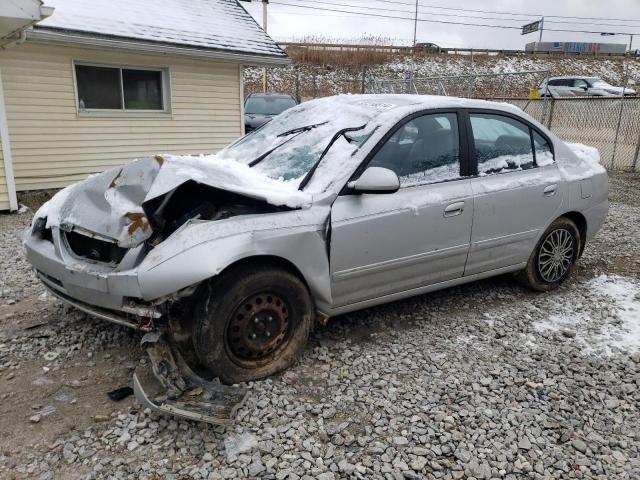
(556, 255)
(259, 327)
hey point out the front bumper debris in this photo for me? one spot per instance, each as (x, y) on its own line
(171, 387)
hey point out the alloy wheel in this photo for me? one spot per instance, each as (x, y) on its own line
(556, 255)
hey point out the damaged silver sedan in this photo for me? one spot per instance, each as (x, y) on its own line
(336, 205)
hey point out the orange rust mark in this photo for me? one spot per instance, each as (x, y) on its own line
(159, 159)
(138, 221)
(113, 182)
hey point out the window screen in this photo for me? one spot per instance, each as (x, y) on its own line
(142, 89)
(98, 87)
(114, 88)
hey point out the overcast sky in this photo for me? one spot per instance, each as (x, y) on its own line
(289, 23)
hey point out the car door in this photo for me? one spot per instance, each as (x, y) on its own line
(580, 87)
(517, 190)
(562, 87)
(382, 244)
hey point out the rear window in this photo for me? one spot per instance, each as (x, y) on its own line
(268, 105)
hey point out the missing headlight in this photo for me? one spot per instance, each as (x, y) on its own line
(40, 229)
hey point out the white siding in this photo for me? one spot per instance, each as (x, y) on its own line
(54, 145)
(4, 195)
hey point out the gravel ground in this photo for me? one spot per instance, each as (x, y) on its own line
(482, 381)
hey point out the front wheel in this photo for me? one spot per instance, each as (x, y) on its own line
(252, 322)
(554, 257)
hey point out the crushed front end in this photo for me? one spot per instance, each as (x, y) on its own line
(88, 246)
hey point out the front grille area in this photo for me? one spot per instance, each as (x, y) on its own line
(94, 249)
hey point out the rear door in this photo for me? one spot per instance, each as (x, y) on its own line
(517, 190)
(383, 244)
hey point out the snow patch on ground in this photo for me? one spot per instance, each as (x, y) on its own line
(616, 327)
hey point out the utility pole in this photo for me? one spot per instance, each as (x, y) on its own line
(264, 26)
(415, 26)
(413, 50)
(630, 43)
(541, 29)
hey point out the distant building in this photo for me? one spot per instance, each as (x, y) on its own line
(90, 84)
(577, 47)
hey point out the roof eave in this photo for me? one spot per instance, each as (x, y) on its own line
(79, 39)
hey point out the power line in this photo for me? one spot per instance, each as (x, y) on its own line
(390, 16)
(411, 11)
(509, 27)
(513, 13)
(371, 7)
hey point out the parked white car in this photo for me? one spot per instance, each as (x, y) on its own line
(581, 86)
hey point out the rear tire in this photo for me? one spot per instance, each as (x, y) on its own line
(554, 257)
(252, 322)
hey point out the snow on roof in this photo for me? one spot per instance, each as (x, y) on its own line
(393, 102)
(204, 24)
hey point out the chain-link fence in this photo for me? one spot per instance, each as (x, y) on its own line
(481, 85)
(611, 124)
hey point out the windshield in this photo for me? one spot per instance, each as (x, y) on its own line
(268, 105)
(294, 140)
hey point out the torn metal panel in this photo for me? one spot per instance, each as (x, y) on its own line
(174, 389)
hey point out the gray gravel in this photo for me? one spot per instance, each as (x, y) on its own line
(482, 381)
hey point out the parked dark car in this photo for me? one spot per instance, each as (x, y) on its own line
(428, 46)
(260, 108)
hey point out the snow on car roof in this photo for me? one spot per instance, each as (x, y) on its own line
(568, 77)
(395, 102)
(207, 24)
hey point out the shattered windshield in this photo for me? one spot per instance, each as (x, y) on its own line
(289, 146)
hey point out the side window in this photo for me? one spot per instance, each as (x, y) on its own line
(544, 154)
(580, 83)
(424, 150)
(501, 144)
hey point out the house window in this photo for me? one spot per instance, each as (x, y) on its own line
(120, 88)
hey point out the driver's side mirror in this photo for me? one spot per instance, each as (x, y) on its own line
(376, 180)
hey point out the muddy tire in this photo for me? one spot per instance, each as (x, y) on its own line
(251, 322)
(554, 257)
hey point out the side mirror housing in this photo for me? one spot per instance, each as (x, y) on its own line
(376, 180)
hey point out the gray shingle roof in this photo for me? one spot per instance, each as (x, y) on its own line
(205, 24)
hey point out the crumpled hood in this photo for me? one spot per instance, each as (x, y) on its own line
(110, 204)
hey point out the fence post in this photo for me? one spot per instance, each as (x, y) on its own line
(297, 93)
(364, 79)
(552, 104)
(615, 142)
(636, 155)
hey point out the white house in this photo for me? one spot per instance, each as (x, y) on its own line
(89, 84)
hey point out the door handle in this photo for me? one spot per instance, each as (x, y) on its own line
(550, 190)
(454, 209)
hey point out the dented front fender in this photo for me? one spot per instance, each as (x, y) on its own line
(202, 250)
